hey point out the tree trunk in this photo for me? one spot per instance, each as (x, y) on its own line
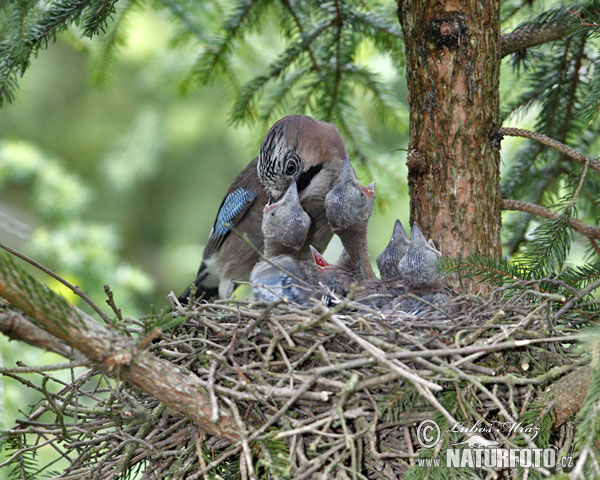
(453, 65)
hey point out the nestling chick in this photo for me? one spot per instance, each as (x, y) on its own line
(285, 227)
(388, 260)
(418, 267)
(420, 276)
(285, 224)
(348, 207)
(296, 148)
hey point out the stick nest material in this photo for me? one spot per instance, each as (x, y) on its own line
(316, 392)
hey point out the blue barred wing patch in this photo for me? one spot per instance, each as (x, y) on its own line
(233, 204)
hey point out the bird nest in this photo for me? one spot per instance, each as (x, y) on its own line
(315, 392)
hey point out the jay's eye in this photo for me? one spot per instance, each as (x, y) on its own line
(291, 168)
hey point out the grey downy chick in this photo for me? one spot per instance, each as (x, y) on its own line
(388, 260)
(348, 207)
(285, 226)
(420, 275)
(292, 279)
(419, 266)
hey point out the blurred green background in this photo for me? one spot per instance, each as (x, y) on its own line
(120, 183)
(117, 180)
(111, 174)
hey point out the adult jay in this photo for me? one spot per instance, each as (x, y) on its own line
(296, 148)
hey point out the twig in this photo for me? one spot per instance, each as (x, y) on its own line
(45, 368)
(380, 357)
(214, 416)
(111, 303)
(567, 306)
(74, 288)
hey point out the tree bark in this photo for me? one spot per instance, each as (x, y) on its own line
(565, 397)
(17, 327)
(453, 65)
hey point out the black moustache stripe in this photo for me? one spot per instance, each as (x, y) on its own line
(306, 177)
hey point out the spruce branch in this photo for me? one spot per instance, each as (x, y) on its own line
(102, 67)
(551, 142)
(583, 228)
(291, 8)
(549, 26)
(118, 355)
(38, 27)
(96, 16)
(183, 15)
(17, 326)
(565, 396)
(215, 57)
(244, 105)
(532, 35)
(74, 288)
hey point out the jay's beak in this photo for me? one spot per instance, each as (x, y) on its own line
(290, 194)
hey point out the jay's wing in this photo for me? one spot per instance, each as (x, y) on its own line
(240, 197)
(231, 211)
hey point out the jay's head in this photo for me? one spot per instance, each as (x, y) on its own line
(285, 222)
(349, 202)
(302, 149)
(418, 267)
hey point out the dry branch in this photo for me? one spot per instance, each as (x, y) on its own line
(119, 356)
(565, 397)
(315, 390)
(18, 327)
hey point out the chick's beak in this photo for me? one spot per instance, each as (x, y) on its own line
(291, 193)
(369, 189)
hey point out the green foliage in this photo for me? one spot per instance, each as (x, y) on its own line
(546, 253)
(77, 248)
(28, 25)
(554, 83)
(24, 465)
(273, 461)
(103, 61)
(535, 415)
(317, 70)
(494, 271)
(401, 400)
(226, 470)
